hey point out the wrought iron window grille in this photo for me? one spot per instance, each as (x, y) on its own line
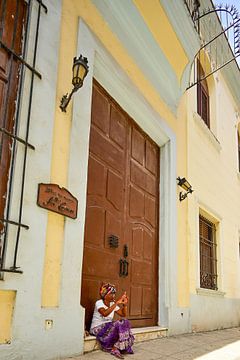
(208, 256)
(14, 139)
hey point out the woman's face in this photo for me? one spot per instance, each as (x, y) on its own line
(110, 297)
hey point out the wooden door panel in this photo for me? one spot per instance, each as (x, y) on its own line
(136, 203)
(123, 183)
(137, 242)
(118, 128)
(151, 158)
(100, 118)
(135, 306)
(150, 210)
(115, 187)
(141, 272)
(138, 146)
(100, 262)
(150, 184)
(4, 58)
(95, 235)
(147, 309)
(106, 150)
(96, 170)
(137, 176)
(142, 179)
(148, 245)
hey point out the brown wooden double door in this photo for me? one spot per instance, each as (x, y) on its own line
(122, 205)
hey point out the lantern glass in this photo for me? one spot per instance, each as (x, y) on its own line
(75, 70)
(186, 186)
(80, 70)
(184, 183)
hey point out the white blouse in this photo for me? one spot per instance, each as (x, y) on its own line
(98, 319)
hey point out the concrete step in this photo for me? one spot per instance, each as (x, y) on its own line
(141, 334)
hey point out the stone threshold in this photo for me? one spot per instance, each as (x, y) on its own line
(141, 334)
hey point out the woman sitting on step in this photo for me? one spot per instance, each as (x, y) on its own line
(114, 336)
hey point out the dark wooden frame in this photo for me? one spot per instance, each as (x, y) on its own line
(203, 107)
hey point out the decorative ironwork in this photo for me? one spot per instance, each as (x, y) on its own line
(124, 263)
(214, 31)
(113, 241)
(208, 259)
(208, 281)
(23, 66)
(125, 251)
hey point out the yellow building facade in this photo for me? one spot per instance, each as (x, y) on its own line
(141, 55)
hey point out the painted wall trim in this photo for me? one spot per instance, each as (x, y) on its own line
(126, 22)
(7, 302)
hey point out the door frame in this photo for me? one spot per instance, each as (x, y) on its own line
(116, 82)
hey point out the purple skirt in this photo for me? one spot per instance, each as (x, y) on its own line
(116, 334)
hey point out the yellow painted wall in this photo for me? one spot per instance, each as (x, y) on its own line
(71, 11)
(158, 23)
(7, 302)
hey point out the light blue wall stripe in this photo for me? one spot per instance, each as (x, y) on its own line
(125, 21)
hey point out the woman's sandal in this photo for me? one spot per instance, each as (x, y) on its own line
(116, 353)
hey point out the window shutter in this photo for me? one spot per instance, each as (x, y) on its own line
(202, 96)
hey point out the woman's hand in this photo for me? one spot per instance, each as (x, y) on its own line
(123, 299)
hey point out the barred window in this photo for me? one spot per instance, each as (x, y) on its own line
(208, 260)
(15, 68)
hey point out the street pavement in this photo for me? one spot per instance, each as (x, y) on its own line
(212, 345)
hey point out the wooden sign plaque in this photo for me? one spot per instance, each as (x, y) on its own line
(59, 200)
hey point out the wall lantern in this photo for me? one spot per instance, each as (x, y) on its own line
(186, 186)
(80, 70)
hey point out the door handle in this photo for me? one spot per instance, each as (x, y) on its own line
(123, 272)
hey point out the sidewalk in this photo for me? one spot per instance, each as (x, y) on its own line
(213, 345)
